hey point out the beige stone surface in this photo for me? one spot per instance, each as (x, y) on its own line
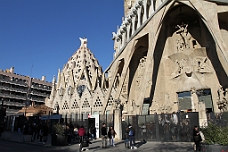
(163, 51)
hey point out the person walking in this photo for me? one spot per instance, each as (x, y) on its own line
(45, 133)
(111, 136)
(41, 133)
(91, 134)
(127, 137)
(33, 132)
(131, 136)
(81, 133)
(104, 135)
(95, 132)
(197, 139)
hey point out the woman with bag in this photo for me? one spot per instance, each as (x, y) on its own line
(197, 139)
(111, 136)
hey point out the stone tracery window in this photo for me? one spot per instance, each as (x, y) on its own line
(65, 106)
(110, 101)
(86, 104)
(98, 103)
(75, 105)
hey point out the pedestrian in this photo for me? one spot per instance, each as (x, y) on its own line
(41, 133)
(75, 133)
(71, 127)
(81, 133)
(33, 132)
(127, 137)
(111, 136)
(131, 136)
(45, 133)
(68, 133)
(91, 132)
(197, 139)
(24, 131)
(95, 132)
(104, 135)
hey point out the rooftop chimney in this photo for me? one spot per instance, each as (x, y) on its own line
(43, 78)
(12, 70)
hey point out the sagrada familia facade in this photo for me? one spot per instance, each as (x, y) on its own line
(164, 49)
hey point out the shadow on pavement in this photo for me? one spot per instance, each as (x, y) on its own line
(138, 144)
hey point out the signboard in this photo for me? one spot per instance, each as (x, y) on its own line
(97, 119)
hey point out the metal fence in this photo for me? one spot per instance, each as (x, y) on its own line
(162, 127)
(154, 127)
(220, 119)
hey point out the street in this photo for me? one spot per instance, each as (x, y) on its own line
(11, 146)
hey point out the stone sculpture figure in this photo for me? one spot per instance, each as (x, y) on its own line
(222, 98)
(183, 42)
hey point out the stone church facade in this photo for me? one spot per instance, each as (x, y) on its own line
(79, 88)
(165, 49)
(168, 53)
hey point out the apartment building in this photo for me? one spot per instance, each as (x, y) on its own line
(18, 91)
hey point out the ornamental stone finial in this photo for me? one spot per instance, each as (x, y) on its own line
(129, 19)
(83, 42)
(140, 2)
(114, 35)
(134, 11)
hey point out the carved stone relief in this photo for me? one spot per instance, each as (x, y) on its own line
(222, 98)
(116, 83)
(140, 70)
(189, 59)
(184, 37)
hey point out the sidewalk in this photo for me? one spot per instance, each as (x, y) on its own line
(96, 145)
(17, 137)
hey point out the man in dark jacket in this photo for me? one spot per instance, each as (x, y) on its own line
(104, 135)
(131, 137)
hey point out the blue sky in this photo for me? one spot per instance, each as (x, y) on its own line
(37, 37)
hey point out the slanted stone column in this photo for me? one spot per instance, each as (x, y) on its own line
(202, 115)
(151, 7)
(195, 101)
(139, 9)
(117, 121)
(134, 18)
(144, 11)
(128, 24)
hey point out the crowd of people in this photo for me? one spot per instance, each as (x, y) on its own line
(39, 132)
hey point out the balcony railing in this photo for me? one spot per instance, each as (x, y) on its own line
(41, 88)
(13, 96)
(13, 89)
(36, 99)
(14, 82)
(18, 104)
(39, 94)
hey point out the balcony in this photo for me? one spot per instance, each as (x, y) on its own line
(20, 83)
(10, 112)
(40, 100)
(12, 96)
(39, 94)
(41, 88)
(17, 104)
(13, 89)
